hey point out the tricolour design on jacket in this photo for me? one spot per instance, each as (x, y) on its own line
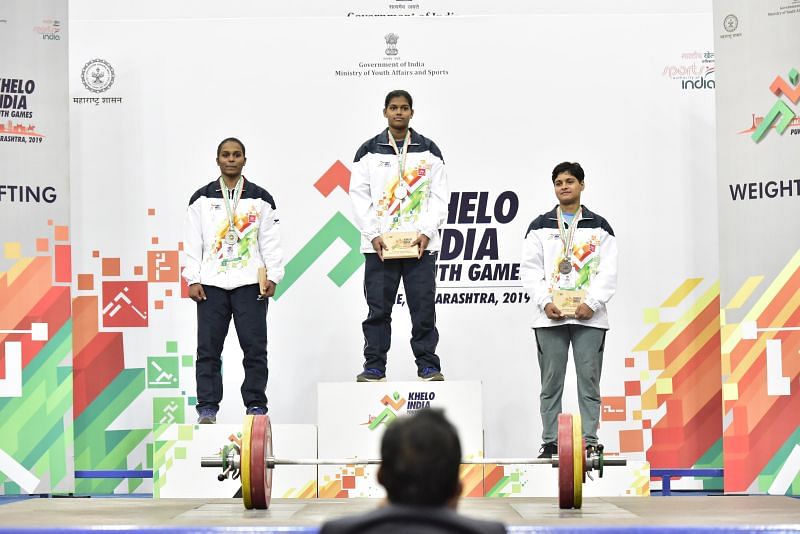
(374, 185)
(593, 256)
(208, 260)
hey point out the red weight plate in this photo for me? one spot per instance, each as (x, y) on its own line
(258, 466)
(268, 454)
(566, 462)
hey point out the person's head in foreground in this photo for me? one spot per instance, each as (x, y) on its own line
(420, 458)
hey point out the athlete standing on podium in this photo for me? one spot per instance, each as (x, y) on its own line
(398, 184)
(569, 267)
(231, 232)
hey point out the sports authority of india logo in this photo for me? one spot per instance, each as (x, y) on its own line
(730, 23)
(97, 75)
(391, 44)
(780, 116)
(49, 29)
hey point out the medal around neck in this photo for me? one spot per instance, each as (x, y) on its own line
(567, 239)
(231, 237)
(401, 191)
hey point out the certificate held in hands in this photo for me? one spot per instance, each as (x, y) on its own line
(568, 300)
(400, 246)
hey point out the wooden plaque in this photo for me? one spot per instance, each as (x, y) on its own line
(262, 280)
(400, 246)
(568, 300)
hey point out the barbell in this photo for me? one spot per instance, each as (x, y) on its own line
(252, 460)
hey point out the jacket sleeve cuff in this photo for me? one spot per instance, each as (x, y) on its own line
(427, 232)
(592, 303)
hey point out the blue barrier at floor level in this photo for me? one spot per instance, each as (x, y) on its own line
(112, 473)
(618, 529)
(667, 474)
(664, 474)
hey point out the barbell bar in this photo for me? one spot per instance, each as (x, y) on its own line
(271, 462)
(253, 461)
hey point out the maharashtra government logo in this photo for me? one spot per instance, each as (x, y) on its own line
(730, 23)
(391, 43)
(97, 75)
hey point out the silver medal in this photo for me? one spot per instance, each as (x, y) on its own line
(231, 238)
(401, 191)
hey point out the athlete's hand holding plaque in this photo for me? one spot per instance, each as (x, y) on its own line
(568, 300)
(400, 245)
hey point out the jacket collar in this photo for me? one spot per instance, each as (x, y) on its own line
(383, 137)
(586, 214)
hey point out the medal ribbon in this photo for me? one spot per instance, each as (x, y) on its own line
(237, 193)
(401, 154)
(568, 237)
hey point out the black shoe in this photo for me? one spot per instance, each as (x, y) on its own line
(594, 449)
(548, 450)
(206, 416)
(371, 375)
(256, 410)
(431, 374)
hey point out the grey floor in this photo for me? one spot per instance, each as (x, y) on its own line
(642, 511)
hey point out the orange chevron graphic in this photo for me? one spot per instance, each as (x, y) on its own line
(387, 400)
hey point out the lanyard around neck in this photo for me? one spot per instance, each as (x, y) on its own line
(401, 154)
(568, 236)
(237, 194)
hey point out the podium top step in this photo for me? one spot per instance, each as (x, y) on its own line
(353, 404)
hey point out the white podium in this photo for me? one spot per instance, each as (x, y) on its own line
(352, 417)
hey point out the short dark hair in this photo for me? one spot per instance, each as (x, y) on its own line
(398, 93)
(420, 459)
(233, 139)
(574, 169)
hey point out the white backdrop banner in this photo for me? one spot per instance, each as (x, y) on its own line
(35, 257)
(758, 136)
(506, 97)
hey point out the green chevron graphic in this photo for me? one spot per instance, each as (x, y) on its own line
(771, 470)
(507, 486)
(711, 459)
(338, 227)
(385, 417)
(97, 448)
(34, 428)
